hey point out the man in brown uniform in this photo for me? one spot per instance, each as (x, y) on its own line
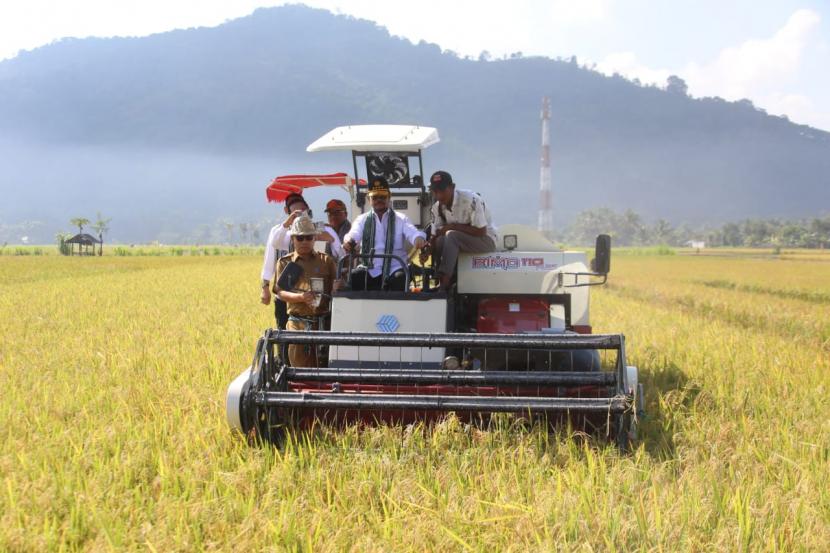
(305, 307)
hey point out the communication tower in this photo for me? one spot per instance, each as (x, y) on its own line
(545, 196)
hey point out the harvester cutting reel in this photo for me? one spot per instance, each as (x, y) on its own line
(606, 400)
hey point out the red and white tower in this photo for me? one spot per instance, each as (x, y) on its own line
(545, 196)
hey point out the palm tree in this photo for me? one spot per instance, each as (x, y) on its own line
(101, 226)
(61, 238)
(228, 228)
(79, 222)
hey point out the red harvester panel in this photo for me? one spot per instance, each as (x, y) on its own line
(512, 315)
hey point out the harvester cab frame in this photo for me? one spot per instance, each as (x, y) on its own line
(394, 152)
(512, 335)
(396, 168)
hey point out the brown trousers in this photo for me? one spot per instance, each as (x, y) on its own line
(298, 354)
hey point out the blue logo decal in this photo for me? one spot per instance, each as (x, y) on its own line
(388, 323)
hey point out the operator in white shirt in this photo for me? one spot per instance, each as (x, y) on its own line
(461, 222)
(381, 230)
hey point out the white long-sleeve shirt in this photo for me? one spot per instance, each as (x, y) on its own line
(279, 239)
(405, 231)
(337, 250)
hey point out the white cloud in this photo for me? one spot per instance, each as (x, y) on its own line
(756, 65)
(789, 103)
(765, 71)
(627, 65)
(579, 11)
(737, 72)
(796, 107)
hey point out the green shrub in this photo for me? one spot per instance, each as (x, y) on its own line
(63, 247)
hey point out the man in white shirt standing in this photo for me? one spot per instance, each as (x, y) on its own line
(278, 244)
(381, 230)
(461, 222)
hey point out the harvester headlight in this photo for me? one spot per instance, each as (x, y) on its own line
(451, 363)
(511, 241)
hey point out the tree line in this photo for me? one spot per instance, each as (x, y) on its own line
(627, 228)
(630, 229)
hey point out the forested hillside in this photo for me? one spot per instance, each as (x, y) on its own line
(172, 131)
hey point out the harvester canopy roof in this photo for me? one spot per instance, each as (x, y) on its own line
(376, 138)
(281, 187)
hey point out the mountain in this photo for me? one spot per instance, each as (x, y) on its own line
(167, 132)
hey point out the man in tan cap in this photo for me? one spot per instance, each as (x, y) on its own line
(308, 300)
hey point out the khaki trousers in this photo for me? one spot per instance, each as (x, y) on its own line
(448, 246)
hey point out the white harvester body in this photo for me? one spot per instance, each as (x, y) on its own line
(542, 271)
(516, 322)
(391, 315)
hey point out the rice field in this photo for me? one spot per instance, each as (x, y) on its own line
(113, 372)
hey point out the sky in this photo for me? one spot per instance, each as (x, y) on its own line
(775, 53)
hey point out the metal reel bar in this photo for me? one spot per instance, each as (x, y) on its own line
(461, 378)
(459, 340)
(305, 400)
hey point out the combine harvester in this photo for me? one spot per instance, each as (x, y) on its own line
(513, 335)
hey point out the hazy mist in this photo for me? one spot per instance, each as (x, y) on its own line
(171, 133)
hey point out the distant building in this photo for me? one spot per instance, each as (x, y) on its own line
(696, 244)
(86, 244)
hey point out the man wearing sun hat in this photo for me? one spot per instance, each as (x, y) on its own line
(381, 230)
(279, 243)
(461, 222)
(305, 306)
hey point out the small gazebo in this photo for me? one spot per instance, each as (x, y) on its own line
(86, 244)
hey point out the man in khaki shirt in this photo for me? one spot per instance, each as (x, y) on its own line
(305, 307)
(461, 222)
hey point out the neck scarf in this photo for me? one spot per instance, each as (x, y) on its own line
(368, 243)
